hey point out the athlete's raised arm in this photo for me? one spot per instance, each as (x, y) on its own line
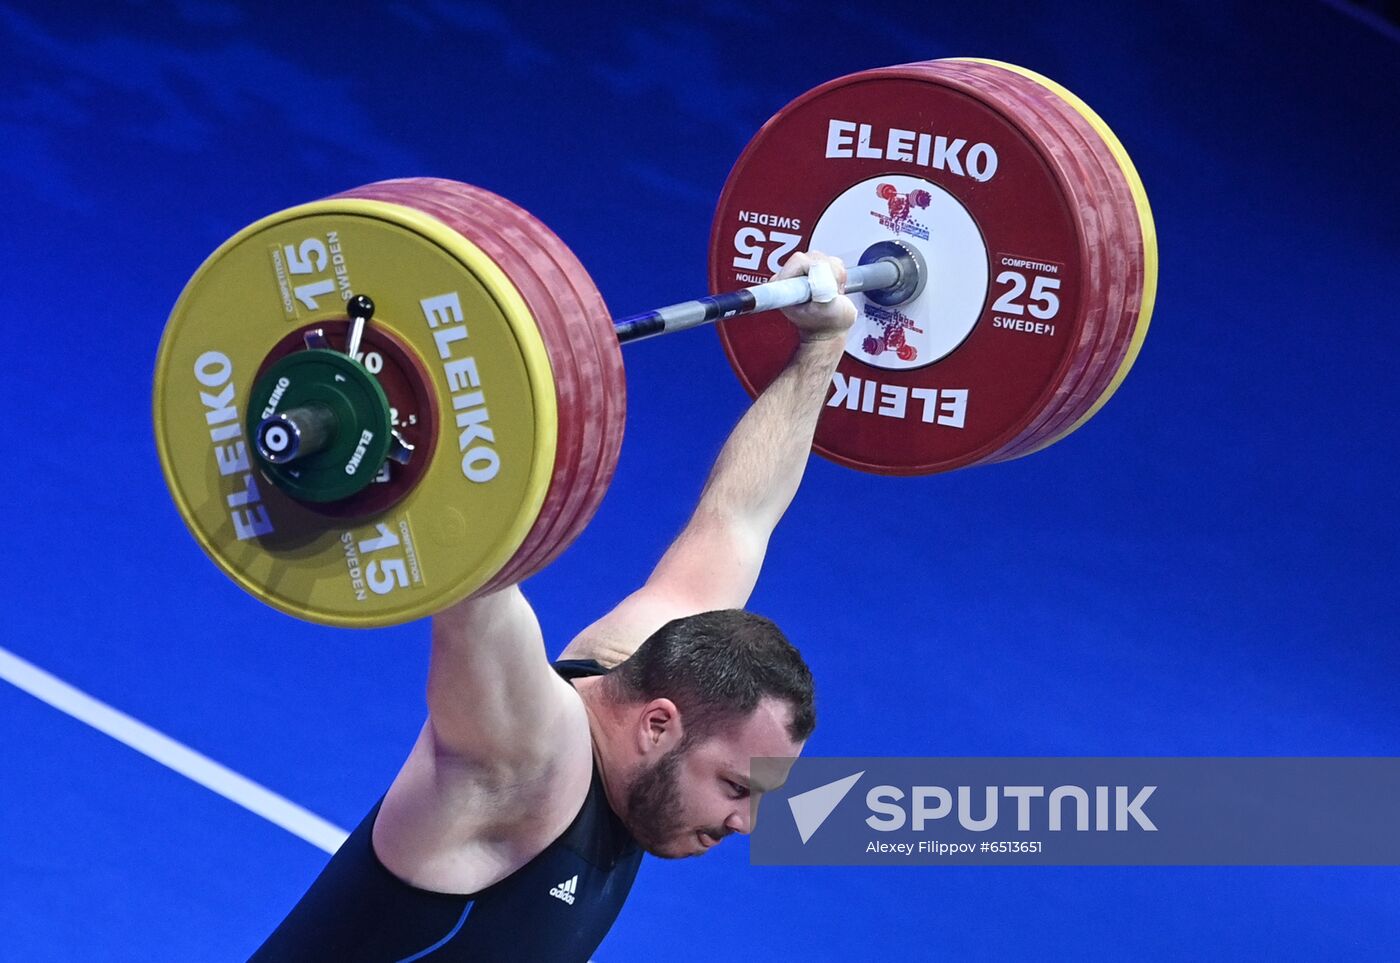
(714, 563)
(494, 702)
(502, 762)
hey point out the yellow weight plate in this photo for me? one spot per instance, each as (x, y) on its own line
(491, 377)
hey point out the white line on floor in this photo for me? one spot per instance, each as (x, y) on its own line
(166, 751)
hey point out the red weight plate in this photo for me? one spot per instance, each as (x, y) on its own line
(594, 324)
(511, 238)
(440, 199)
(591, 332)
(1092, 190)
(566, 489)
(614, 389)
(449, 202)
(563, 297)
(873, 149)
(1013, 300)
(1112, 219)
(1112, 225)
(600, 373)
(597, 330)
(1138, 248)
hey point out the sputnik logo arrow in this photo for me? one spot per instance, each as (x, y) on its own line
(810, 808)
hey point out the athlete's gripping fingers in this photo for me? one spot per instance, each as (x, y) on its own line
(838, 268)
(818, 320)
(794, 266)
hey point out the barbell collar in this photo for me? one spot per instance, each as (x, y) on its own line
(289, 435)
(913, 272)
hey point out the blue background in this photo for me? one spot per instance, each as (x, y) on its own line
(1205, 569)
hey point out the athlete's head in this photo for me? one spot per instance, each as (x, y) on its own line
(707, 693)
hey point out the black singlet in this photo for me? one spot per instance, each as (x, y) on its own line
(558, 906)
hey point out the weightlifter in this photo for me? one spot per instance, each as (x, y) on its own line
(516, 826)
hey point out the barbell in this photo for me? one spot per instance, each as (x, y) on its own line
(374, 405)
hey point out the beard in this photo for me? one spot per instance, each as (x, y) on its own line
(653, 804)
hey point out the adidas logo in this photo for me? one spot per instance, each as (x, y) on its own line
(566, 891)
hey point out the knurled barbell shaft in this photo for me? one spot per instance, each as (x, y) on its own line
(884, 273)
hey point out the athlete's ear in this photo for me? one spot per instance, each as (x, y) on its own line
(659, 728)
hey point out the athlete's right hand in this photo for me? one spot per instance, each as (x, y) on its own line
(817, 321)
